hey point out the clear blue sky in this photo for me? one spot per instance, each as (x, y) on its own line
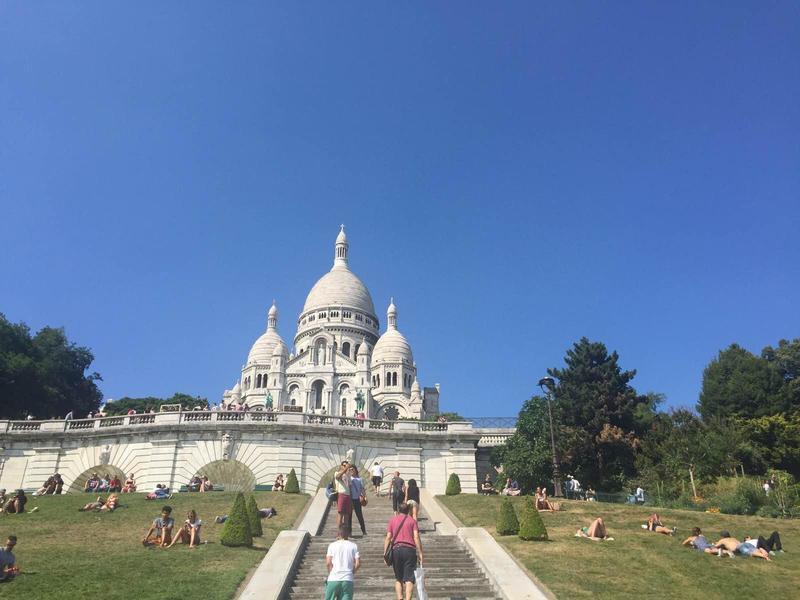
(516, 175)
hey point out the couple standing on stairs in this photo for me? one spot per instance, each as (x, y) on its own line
(350, 496)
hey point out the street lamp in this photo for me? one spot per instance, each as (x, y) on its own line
(548, 385)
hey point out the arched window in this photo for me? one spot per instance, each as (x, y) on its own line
(344, 407)
(317, 391)
(394, 378)
(294, 394)
(258, 380)
(377, 381)
(346, 349)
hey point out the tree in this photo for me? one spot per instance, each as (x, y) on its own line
(44, 375)
(236, 531)
(740, 384)
(145, 404)
(507, 522)
(598, 413)
(531, 527)
(254, 516)
(453, 485)
(292, 487)
(526, 456)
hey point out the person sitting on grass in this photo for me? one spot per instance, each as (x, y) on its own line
(110, 503)
(487, 487)
(160, 532)
(130, 485)
(772, 544)
(654, 524)
(91, 484)
(595, 531)
(264, 513)
(190, 532)
(8, 562)
(103, 485)
(206, 485)
(114, 484)
(16, 505)
(161, 492)
(511, 488)
(278, 486)
(3, 499)
(541, 500)
(194, 484)
(96, 505)
(49, 487)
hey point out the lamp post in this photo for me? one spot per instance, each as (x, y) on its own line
(548, 384)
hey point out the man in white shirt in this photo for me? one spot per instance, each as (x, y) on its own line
(342, 560)
(377, 477)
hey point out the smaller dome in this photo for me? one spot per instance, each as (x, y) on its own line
(363, 349)
(415, 386)
(273, 311)
(392, 347)
(237, 390)
(280, 349)
(261, 352)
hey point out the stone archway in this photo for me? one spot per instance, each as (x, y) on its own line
(233, 475)
(101, 470)
(318, 394)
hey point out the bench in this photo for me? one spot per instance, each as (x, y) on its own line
(264, 487)
(216, 488)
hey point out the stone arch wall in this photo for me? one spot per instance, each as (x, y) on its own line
(235, 476)
(102, 470)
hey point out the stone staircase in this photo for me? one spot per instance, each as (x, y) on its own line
(450, 572)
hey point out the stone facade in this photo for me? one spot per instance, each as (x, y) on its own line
(340, 363)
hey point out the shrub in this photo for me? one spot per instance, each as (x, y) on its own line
(532, 527)
(236, 531)
(254, 517)
(453, 485)
(292, 487)
(507, 522)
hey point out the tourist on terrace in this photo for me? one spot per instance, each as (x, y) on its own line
(402, 534)
(357, 495)
(377, 477)
(595, 531)
(511, 488)
(189, 533)
(206, 485)
(8, 563)
(160, 532)
(279, 485)
(130, 485)
(342, 560)
(16, 505)
(397, 490)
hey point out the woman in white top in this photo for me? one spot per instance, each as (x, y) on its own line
(190, 532)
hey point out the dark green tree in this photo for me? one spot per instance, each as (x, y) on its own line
(453, 485)
(527, 455)
(292, 486)
(739, 384)
(531, 526)
(254, 516)
(144, 404)
(598, 413)
(45, 374)
(236, 531)
(507, 522)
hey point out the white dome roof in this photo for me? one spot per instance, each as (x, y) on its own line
(261, 352)
(280, 349)
(392, 347)
(340, 287)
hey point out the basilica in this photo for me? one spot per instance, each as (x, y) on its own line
(340, 363)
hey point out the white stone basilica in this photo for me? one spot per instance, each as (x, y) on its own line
(340, 364)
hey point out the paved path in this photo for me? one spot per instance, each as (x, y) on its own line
(450, 572)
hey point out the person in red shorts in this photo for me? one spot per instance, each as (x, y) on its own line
(344, 502)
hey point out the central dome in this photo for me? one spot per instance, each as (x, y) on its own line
(340, 286)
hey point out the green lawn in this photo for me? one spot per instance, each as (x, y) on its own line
(64, 553)
(639, 563)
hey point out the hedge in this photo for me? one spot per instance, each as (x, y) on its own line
(236, 531)
(292, 487)
(507, 522)
(254, 516)
(532, 527)
(453, 485)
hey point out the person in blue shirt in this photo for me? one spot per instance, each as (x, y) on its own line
(8, 562)
(356, 493)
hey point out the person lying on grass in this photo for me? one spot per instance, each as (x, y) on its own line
(772, 544)
(726, 545)
(161, 492)
(699, 542)
(8, 563)
(749, 547)
(264, 513)
(189, 533)
(654, 524)
(160, 532)
(595, 531)
(96, 505)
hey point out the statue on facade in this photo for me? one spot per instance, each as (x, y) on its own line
(268, 401)
(349, 455)
(227, 446)
(105, 454)
(360, 401)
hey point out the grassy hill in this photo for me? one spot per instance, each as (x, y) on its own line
(64, 553)
(639, 563)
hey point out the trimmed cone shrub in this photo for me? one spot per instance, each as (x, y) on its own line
(507, 522)
(236, 531)
(453, 485)
(254, 516)
(532, 527)
(292, 487)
